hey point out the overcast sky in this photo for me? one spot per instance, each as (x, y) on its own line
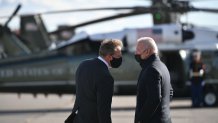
(51, 21)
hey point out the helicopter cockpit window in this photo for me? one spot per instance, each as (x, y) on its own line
(82, 47)
(215, 62)
(2, 52)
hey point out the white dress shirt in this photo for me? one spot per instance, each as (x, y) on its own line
(100, 58)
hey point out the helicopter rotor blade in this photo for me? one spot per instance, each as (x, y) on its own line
(142, 11)
(91, 9)
(83, 10)
(14, 13)
(204, 10)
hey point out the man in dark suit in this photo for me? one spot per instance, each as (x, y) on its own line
(154, 88)
(94, 84)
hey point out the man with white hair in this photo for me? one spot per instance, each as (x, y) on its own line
(154, 89)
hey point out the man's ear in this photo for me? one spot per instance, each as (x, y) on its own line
(111, 58)
(108, 57)
(148, 52)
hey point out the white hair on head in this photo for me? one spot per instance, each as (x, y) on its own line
(149, 43)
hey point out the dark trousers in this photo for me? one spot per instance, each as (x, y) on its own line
(197, 91)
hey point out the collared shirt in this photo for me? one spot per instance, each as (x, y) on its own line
(100, 58)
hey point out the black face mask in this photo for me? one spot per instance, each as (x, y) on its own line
(138, 58)
(116, 62)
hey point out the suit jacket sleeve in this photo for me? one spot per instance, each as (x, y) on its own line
(153, 91)
(104, 98)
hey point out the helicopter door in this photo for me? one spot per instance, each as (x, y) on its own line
(177, 68)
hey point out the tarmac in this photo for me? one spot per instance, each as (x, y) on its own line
(54, 109)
